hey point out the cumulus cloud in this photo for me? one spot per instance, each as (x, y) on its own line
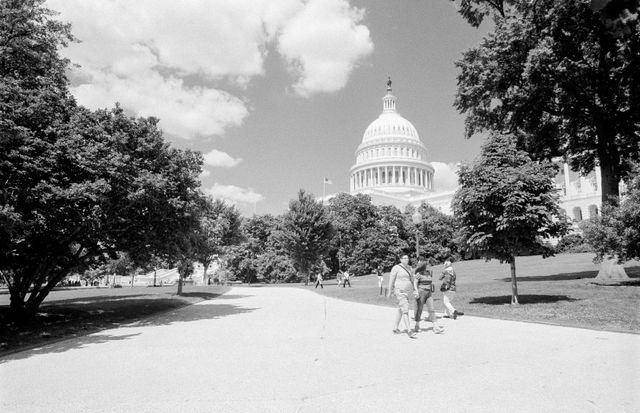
(205, 173)
(234, 194)
(323, 43)
(220, 159)
(445, 176)
(146, 54)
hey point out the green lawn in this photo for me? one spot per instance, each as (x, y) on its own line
(555, 290)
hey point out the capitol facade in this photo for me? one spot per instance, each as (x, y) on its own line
(391, 163)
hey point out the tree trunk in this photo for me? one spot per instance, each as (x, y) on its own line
(514, 282)
(204, 274)
(154, 276)
(611, 273)
(133, 276)
(179, 284)
(610, 181)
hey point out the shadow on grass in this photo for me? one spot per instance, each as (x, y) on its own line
(556, 277)
(523, 299)
(77, 326)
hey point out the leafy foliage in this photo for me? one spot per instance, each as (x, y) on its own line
(77, 186)
(554, 75)
(573, 243)
(306, 232)
(507, 204)
(617, 231)
(219, 228)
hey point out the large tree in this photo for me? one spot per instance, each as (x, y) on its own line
(77, 186)
(507, 204)
(306, 232)
(557, 75)
(219, 228)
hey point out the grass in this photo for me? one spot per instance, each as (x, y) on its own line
(78, 312)
(555, 290)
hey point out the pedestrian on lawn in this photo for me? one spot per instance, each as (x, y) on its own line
(345, 278)
(380, 277)
(448, 289)
(319, 279)
(401, 285)
(423, 283)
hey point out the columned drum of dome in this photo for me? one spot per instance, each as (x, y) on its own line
(391, 159)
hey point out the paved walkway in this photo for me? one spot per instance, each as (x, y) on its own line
(290, 350)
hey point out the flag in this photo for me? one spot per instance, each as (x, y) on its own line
(327, 181)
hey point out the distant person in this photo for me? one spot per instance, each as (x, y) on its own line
(339, 278)
(448, 288)
(423, 283)
(319, 280)
(380, 277)
(345, 279)
(401, 285)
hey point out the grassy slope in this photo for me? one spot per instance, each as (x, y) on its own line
(553, 290)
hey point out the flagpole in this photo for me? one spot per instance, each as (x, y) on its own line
(324, 186)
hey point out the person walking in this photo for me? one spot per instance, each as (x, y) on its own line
(345, 279)
(319, 279)
(448, 288)
(339, 278)
(380, 277)
(401, 285)
(423, 283)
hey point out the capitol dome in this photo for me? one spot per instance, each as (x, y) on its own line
(391, 159)
(390, 124)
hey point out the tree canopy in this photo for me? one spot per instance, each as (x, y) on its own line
(78, 186)
(507, 204)
(306, 232)
(555, 75)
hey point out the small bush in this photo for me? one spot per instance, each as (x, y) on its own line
(573, 243)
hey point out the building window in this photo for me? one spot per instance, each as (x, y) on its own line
(577, 214)
(593, 211)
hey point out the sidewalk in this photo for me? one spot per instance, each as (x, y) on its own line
(289, 350)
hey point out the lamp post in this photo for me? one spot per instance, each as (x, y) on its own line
(417, 219)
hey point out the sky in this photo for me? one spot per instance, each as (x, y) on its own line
(275, 94)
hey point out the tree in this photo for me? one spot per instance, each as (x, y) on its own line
(219, 227)
(306, 232)
(616, 233)
(437, 234)
(350, 216)
(103, 183)
(507, 204)
(560, 78)
(78, 187)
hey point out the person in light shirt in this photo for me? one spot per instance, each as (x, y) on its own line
(401, 285)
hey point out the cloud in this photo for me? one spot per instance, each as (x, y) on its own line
(234, 194)
(220, 159)
(323, 44)
(445, 176)
(205, 173)
(177, 61)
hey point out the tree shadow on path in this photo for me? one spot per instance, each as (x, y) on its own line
(522, 299)
(97, 332)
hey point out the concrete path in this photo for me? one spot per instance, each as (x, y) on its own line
(290, 350)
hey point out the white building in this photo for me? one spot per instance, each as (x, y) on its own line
(391, 163)
(391, 167)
